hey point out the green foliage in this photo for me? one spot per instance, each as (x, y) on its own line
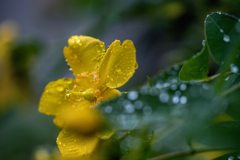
(181, 113)
(197, 67)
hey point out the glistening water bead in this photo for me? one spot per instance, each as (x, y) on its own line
(226, 38)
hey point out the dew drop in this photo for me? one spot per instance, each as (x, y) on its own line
(174, 87)
(175, 99)
(238, 156)
(183, 87)
(147, 110)
(132, 95)
(183, 100)
(231, 158)
(59, 88)
(226, 78)
(226, 38)
(138, 104)
(108, 109)
(164, 97)
(136, 66)
(238, 27)
(129, 108)
(234, 68)
(118, 70)
(221, 30)
(203, 43)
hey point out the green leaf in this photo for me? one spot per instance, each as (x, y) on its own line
(224, 134)
(222, 31)
(196, 68)
(150, 82)
(229, 156)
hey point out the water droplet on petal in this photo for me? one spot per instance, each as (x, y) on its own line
(226, 38)
(136, 66)
(59, 88)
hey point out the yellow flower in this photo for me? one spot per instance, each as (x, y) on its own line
(97, 74)
(9, 88)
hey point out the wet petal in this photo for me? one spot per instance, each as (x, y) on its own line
(118, 65)
(72, 144)
(84, 53)
(54, 100)
(105, 134)
(86, 121)
(110, 93)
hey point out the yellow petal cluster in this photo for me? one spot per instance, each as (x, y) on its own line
(97, 74)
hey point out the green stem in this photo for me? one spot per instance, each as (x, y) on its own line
(126, 134)
(184, 153)
(230, 90)
(209, 79)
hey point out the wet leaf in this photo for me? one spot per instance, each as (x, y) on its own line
(197, 67)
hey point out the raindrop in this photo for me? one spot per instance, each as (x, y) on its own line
(147, 110)
(70, 69)
(238, 156)
(132, 95)
(226, 78)
(219, 13)
(175, 99)
(176, 67)
(203, 43)
(183, 87)
(136, 66)
(118, 70)
(183, 100)
(158, 85)
(144, 90)
(205, 86)
(226, 38)
(108, 109)
(164, 97)
(129, 108)
(238, 27)
(234, 68)
(178, 93)
(221, 30)
(231, 158)
(174, 87)
(59, 88)
(138, 104)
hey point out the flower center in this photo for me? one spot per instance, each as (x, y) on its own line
(86, 86)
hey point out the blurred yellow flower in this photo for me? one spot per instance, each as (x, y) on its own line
(8, 91)
(97, 74)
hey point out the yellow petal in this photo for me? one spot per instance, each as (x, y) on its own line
(84, 53)
(85, 122)
(105, 134)
(54, 100)
(72, 144)
(118, 65)
(110, 93)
